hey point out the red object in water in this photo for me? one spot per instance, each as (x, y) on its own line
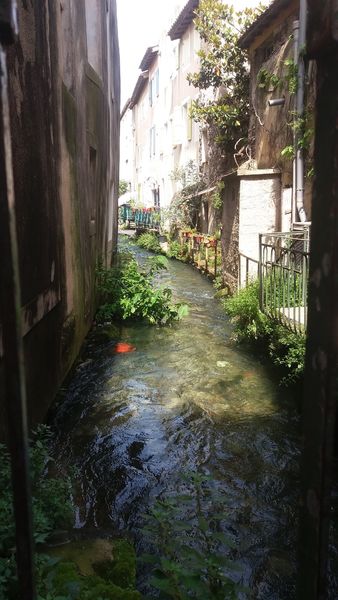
(122, 347)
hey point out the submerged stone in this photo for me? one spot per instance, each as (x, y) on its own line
(92, 569)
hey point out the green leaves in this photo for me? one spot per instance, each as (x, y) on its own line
(149, 241)
(52, 507)
(191, 557)
(128, 293)
(223, 66)
(285, 349)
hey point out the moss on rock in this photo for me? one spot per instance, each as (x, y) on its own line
(121, 570)
(81, 576)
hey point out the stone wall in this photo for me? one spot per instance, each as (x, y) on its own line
(230, 232)
(270, 127)
(64, 96)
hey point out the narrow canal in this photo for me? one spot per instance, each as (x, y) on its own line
(130, 426)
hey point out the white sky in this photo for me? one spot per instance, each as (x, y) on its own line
(141, 24)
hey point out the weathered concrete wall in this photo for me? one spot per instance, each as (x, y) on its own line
(64, 94)
(251, 205)
(271, 127)
(259, 210)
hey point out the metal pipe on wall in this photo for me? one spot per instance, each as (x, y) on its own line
(299, 158)
(294, 166)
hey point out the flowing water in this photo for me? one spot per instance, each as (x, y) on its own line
(186, 400)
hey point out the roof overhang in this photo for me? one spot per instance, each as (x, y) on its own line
(149, 57)
(184, 19)
(278, 10)
(138, 89)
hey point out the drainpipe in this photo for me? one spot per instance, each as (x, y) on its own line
(294, 166)
(300, 31)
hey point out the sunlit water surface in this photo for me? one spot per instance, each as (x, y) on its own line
(187, 400)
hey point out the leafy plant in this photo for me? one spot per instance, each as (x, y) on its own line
(291, 76)
(267, 80)
(149, 241)
(177, 250)
(187, 175)
(51, 500)
(216, 198)
(123, 187)
(284, 348)
(127, 291)
(186, 203)
(223, 66)
(190, 557)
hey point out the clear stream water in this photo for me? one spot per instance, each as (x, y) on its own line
(186, 400)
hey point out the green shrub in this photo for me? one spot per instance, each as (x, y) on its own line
(52, 507)
(177, 250)
(149, 241)
(284, 348)
(287, 351)
(243, 309)
(51, 500)
(127, 291)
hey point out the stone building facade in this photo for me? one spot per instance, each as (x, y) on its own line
(165, 138)
(258, 197)
(64, 89)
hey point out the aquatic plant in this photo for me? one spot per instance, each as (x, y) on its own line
(190, 557)
(149, 241)
(128, 292)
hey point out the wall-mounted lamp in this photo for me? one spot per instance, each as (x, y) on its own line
(276, 102)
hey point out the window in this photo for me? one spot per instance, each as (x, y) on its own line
(156, 197)
(152, 141)
(94, 34)
(157, 83)
(187, 120)
(154, 87)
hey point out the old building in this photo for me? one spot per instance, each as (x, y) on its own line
(64, 90)
(264, 195)
(165, 139)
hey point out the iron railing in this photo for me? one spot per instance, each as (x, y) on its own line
(140, 218)
(248, 270)
(283, 277)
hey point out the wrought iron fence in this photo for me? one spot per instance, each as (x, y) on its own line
(283, 275)
(248, 270)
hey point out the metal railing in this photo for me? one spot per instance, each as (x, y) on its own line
(140, 218)
(248, 270)
(283, 276)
